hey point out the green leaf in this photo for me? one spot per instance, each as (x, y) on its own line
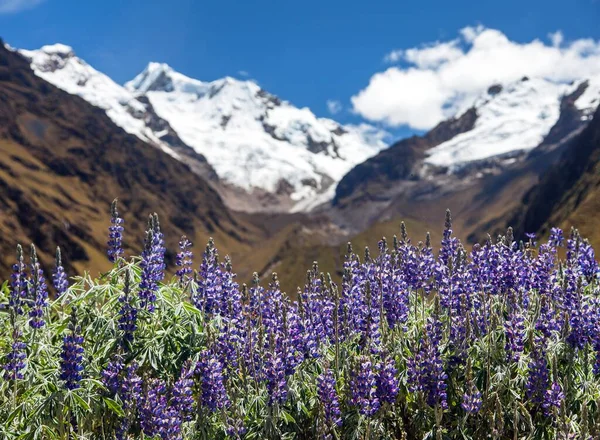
(12, 415)
(82, 403)
(50, 432)
(114, 406)
(287, 417)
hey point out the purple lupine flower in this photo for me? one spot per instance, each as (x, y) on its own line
(415, 369)
(395, 293)
(130, 392)
(274, 373)
(158, 418)
(435, 379)
(128, 312)
(538, 381)
(59, 277)
(553, 399)
(231, 336)
(387, 382)
(472, 401)
(556, 237)
(154, 407)
(131, 386)
(123, 381)
(292, 348)
(547, 322)
(72, 354)
(184, 259)
(110, 375)
(15, 360)
(207, 296)
(115, 234)
(514, 330)
(371, 335)
(426, 367)
(317, 311)
(348, 297)
(170, 426)
(40, 292)
(152, 264)
(586, 259)
(329, 398)
(18, 284)
(182, 399)
(363, 388)
(210, 370)
(578, 324)
(449, 243)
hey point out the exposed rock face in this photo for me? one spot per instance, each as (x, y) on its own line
(568, 194)
(401, 161)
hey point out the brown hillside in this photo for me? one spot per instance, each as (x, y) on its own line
(62, 161)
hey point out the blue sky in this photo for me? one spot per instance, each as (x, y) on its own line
(306, 52)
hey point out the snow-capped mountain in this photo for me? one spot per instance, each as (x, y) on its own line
(254, 141)
(512, 119)
(58, 65)
(482, 161)
(252, 138)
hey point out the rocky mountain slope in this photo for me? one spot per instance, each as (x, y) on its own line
(480, 163)
(63, 160)
(268, 154)
(568, 194)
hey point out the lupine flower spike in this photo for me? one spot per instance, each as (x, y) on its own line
(72, 354)
(184, 259)
(18, 284)
(59, 277)
(328, 396)
(115, 234)
(153, 264)
(39, 291)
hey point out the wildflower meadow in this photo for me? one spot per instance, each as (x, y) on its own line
(413, 340)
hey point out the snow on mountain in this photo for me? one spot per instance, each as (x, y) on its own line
(58, 65)
(252, 138)
(589, 101)
(511, 119)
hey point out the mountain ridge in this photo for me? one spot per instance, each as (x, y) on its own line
(64, 161)
(400, 181)
(264, 153)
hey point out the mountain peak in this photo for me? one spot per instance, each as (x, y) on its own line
(155, 77)
(52, 57)
(58, 49)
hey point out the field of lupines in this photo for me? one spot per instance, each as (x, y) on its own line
(500, 342)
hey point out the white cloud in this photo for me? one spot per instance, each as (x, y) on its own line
(469, 33)
(436, 80)
(556, 38)
(334, 106)
(243, 73)
(12, 6)
(434, 55)
(394, 56)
